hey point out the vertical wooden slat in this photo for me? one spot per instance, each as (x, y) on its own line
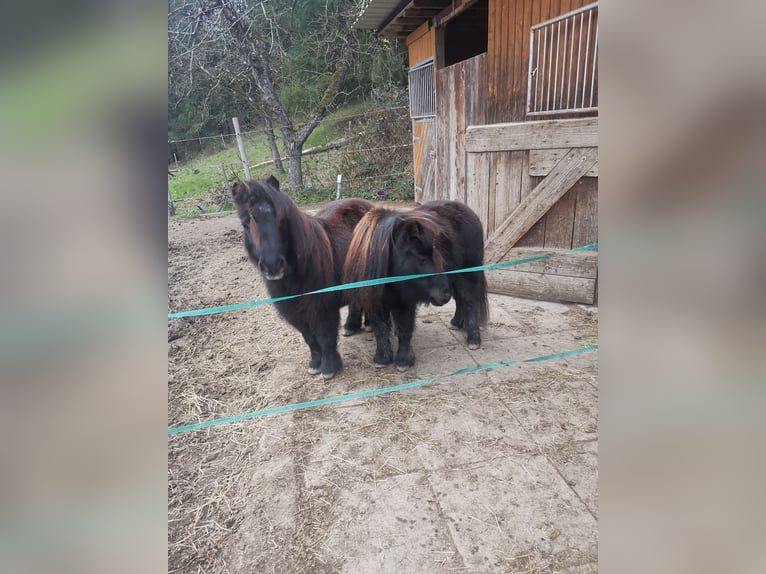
(477, 188)
(479, 112)
(525, 22)
(509, 174)
(560, 221)
(545, 10)
(586, 213)
(536, 235)
(493, 35)
(451, 139)
(494, 199)
(441, 134)
(555, 8)
(458, 181)
(519, 66)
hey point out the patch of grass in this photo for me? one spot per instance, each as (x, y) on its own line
(191, 186)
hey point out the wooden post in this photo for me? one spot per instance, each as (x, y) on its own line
(241, 146)
(171, 207)
(337, 189)
(226, 188)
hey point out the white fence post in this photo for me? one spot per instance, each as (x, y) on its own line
(337, 189)
(241, 147)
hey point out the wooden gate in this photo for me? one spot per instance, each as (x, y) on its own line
(502, 161)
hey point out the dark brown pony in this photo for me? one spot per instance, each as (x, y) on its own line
(297, 253)
(435, 237)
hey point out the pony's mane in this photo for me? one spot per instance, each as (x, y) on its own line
(368, 253)
(367, 256)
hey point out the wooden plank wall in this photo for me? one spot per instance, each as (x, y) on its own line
(460, 102)
(421, 45)
(508, 52)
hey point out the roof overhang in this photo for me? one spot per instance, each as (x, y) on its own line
(396, 18)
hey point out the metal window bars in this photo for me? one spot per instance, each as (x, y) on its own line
(422, 90)
(564, 51)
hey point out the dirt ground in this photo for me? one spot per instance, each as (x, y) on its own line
(494, 471)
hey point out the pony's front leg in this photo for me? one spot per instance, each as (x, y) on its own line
(316, 353)
(404, 324)
(381, 327)
(327, 337)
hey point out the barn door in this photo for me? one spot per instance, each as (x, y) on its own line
(423, 113)
(424, 144)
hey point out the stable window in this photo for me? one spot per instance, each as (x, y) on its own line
(563, 64)
(422, 90)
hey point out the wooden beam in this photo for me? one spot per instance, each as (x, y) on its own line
(541, 286)
(564, 262)
(544, 134)
(571, 168)
(450, 12)
(541, 162)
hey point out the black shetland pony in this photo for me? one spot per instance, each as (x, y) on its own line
(435, 237)
(297, 253)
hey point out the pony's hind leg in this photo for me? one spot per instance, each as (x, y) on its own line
(353, 322)
(404, 323)
(316, 353)
(381, 327)
(467, 298)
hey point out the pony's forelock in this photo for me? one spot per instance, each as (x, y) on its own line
(438, 233)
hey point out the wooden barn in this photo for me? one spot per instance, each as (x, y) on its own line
(504, 108)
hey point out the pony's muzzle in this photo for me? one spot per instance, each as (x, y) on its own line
(440, 297)
(273, 271)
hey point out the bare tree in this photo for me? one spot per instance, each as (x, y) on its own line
(243, 45)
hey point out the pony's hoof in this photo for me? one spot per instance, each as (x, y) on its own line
(473, 346)
(402, 368)
(348, 332)
(313, 371)
(367, 328)
(453, 327)
(327, 376)
(379, 366)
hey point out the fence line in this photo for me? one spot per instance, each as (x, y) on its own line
(280, 126)
(373, 392)
(372, 282)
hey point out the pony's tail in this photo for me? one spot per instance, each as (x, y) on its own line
(483, 302)
(367, 258)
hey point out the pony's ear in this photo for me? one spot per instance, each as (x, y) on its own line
(237, 188)
(273, 181)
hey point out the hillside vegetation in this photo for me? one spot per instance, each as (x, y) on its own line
(369, 145)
